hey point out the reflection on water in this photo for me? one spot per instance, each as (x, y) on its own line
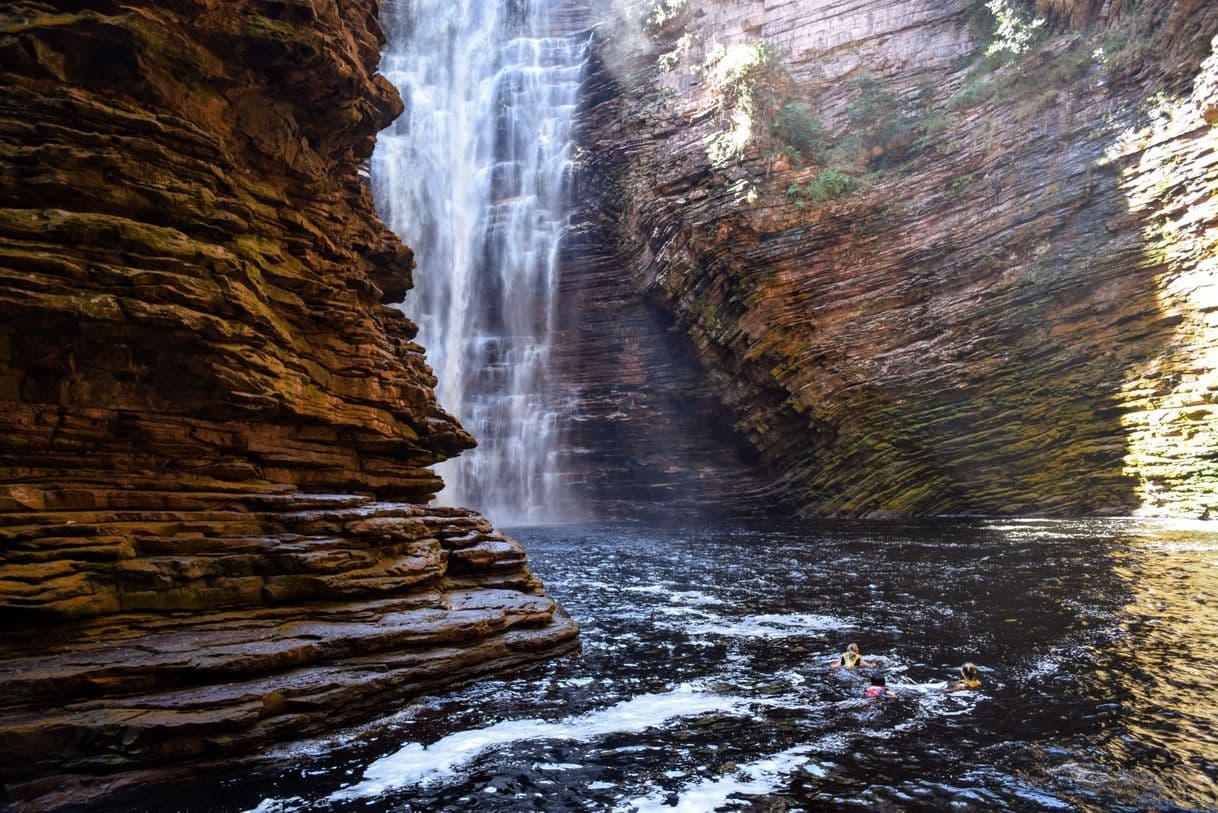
(1163, 664)
(704, 682)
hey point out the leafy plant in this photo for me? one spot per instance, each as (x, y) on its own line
(1035, 91)
(882, 125)
(735, 75)
(794, 126)
(871, 101)
(1014, 31)
(831, 184)
(1125, 46)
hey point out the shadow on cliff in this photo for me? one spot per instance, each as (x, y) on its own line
(1045, 365)
(1091, 387)
(985, 331)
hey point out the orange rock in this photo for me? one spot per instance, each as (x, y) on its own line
(195, 326)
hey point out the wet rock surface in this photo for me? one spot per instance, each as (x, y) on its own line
(195, 331)
(922, 273)
(138, 639)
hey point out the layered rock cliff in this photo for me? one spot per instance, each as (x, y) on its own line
(930, 256)
(206, 401)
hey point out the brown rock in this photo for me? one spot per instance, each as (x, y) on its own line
(1008, 313)
(193, 334)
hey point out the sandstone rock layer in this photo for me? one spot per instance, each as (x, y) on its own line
(193, 275)
(928, 263)
(219, 623)
(204, 392)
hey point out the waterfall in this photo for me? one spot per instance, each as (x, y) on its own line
(474, 177)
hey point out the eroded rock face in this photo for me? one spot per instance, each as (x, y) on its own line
(194, 331)
(219, 623)
(931, 263)
(192, 276)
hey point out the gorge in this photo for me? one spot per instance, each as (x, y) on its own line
(673, 262)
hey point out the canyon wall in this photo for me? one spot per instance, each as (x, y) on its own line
(921, 257)
(215, 433)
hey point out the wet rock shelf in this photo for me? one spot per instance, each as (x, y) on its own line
(137, 639)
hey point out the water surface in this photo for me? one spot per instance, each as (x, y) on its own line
(704, 682)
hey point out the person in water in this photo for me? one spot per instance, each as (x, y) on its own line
(878, 688)
(850, 658)
(968, 679)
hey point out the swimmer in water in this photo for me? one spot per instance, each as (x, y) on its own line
(850, 658)
(878, 688)
(968, 679)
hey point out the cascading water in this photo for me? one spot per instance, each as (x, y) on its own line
(474, 177)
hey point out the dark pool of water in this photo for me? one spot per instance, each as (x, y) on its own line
(704, 681)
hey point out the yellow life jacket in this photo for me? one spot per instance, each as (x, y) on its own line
(972, 683)
(851, 658)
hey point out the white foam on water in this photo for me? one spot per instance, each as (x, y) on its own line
(578, 681)
(942, 703)
(630, 749)
(1024, 533)
(600, 585)
(419, 764)
(694, 597)
(755, 779)
(1184, 547)
(686, 612)
(767, 626)
(934, 687)
(676, 596)
(1044, 667)
(1043, 800)
(1183, 524)
(278, 805)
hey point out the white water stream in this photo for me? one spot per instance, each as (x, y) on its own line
(474, 177)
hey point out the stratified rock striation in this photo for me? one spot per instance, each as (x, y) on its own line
(219, 623)
(198, 363)
(193, 276)
(928, 262)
